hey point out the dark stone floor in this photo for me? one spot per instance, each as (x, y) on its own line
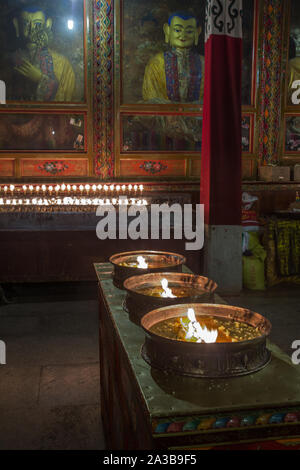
(49, 387)
(281, 305)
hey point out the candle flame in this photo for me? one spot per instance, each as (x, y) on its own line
(167, 291)
(142, 263)
(195, 330)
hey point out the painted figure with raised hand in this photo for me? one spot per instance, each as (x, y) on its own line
(47, 75)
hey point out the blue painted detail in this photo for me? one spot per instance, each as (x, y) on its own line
(248, 420)
(277, 418)
(161, 428)
(221, 422)
(191, 425)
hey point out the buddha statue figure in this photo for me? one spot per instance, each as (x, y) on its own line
(176, 75)
(42, 74)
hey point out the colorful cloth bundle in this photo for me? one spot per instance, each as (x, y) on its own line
(282, 240)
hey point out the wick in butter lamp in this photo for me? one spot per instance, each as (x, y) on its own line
(206, 340)
(133, 263)
(150, 291)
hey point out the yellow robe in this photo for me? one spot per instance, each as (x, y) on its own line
(65, 75)
(155, 86)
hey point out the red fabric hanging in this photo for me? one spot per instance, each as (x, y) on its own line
(221, 135)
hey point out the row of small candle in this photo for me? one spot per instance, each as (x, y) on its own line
(70, 201)
(71, 188)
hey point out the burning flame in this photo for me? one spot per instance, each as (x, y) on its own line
(167, 291)
(195, 330)
(142, 263)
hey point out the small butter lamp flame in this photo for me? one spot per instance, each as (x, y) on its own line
(167, 291)
(142, 263)
(195, 330)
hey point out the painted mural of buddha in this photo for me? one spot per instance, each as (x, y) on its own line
(42, 73)
(176, 75)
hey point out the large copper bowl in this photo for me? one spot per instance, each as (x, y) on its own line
(158, 261)
(196, 289)
(202, 359)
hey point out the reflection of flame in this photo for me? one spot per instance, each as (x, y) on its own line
(142, 263)
(167, 291)
(196, 331)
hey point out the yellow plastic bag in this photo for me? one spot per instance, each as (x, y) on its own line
(253, 273)
(255, 247)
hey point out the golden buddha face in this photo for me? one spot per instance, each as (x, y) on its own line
(30, 22)
(182, 33)
(33, 27)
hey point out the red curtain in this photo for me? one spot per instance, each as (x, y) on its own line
(221, 135)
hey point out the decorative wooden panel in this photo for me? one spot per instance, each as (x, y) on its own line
(270, 81)
(152, 168)
(7, 167)
(54, 167)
